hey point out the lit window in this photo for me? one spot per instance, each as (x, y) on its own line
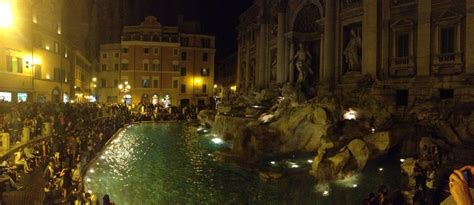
(146, 83)
(204, 71)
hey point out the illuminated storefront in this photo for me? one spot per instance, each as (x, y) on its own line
(5, 96)
(22, 97)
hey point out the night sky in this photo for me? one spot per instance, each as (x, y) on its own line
(218, 17)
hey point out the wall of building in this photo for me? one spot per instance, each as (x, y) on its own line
(174, 60)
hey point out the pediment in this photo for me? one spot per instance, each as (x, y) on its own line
(402, 23)
(449, 15)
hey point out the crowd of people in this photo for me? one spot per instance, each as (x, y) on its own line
(157, 112)
(79, 131)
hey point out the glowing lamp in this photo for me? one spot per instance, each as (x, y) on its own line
(402, 160)
(310, 161)
(6, 14)
(354, 186)
(350, 115)
(326, 193)
(94, 79)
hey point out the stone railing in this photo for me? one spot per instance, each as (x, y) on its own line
(402, 66)
(448, 63)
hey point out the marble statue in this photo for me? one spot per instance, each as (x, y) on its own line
(302, 60)
(351, 52)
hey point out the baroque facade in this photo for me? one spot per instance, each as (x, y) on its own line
(160, 63)
(409, 48)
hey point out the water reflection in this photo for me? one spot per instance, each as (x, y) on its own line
(173, 164)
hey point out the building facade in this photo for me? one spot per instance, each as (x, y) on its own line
(39, 63)
(160, 63)
(411, 48)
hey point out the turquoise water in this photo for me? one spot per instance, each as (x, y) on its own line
(173, 164)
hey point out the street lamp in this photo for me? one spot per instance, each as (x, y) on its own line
(6, 14)
(124, 88)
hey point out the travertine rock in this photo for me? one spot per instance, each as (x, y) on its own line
(360, 152)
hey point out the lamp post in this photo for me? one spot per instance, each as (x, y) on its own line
(124, 88)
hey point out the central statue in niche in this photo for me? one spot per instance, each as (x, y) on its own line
(302, 60)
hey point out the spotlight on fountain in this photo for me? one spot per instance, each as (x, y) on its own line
(350, 115)
(217, 140)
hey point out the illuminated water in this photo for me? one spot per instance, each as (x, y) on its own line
(172, 164)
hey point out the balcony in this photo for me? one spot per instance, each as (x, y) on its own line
(402, 66)
(448, 63)
(151, 38)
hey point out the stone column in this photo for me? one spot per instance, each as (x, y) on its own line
(369, 38)
(247, 60)
(328, 70)
(262, 58)
(423, 38)
(281, 43)
(469, 53)
(290, 70)
(237, 74)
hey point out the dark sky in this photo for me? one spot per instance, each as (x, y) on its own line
(218, 17)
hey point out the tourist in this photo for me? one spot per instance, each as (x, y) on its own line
(66, 182)
(106, 200)
(4, 177)
(459, 187)
(48, 173)
(19, 160)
